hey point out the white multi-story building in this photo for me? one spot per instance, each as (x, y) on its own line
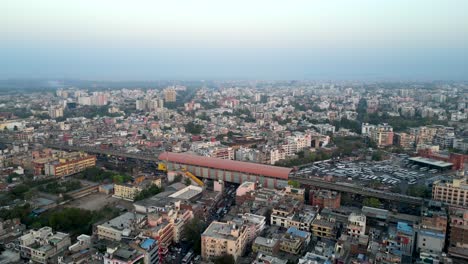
(356, 225)
(43, 245)
(367, 128)
(296, 143)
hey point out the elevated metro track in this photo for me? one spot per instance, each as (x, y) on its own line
(351, 188)
(116, 153)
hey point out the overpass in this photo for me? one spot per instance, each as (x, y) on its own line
(364, 191)
(97, 150)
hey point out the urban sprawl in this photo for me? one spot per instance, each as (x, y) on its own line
(235, 172)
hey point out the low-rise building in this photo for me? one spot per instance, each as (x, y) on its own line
(120, 227)
(69, 163)
(452, 193)
(269, 246)
(324, 227)
(220, 239)
(356, 225)
(325, 199)
(43, 245)
(126, 191)
(122, 254)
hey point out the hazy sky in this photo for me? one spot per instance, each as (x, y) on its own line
(249, 39)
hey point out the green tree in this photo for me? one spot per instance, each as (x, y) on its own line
(372, 202)
(193, 128)
(419, 191)
(377, 155)
(188, 181)
(225, 259)
(192, 233)
(148, 192)
(294, 183)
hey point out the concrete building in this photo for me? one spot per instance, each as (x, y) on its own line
(430, 241)
(43, 246)
(120, 227)
(404, 140)
(452, 193)
(69, 163)
(366, 129)
(126, 191)
(170, 95)
(269, 246)
(220, 239)
(324, 227)
(458, 233)
(56, 112)
(356, 225)
(267, 259)
(382, 135)
(122, 254)
(294, 240)
(325, 199)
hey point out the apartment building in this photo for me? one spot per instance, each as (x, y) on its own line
(120, 227)
(223, 238)
(69, 163)
(325, 199)
(382, 135)
(324, 227)
(458, 233)
(170, 95)
(270, 246)
(126, 191)
(452, 193)
(43, 245)
(404, 140)
(356, 225)
(290, 214)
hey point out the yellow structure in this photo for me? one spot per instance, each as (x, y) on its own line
(192, 177)
(162, 167)
(126, 191)
(69, 163)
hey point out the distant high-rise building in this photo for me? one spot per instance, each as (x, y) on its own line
(170, 95)
(56, 112)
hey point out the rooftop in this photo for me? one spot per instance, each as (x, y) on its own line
(187, 193)
(123, 221)
(433, 162)
(405, 228)
(221, 230)
(266, 242)
(230, 165)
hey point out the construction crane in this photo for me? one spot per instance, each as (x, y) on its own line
(162, 167)
(192, 177)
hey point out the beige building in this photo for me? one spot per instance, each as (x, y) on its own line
(43, 246)
(221, 239)
(452, 193)
(170, 95)
(126, 191)
(56, 112)
(119, 227)
(69, 163)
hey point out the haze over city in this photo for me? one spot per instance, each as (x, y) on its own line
(234, 132)
(151, 40)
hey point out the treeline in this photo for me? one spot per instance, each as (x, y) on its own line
(75, 221)
(304, 157)
(96, 174)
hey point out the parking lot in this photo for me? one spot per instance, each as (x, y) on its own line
(395, 174)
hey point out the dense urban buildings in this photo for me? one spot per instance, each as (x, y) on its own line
(243, 172)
